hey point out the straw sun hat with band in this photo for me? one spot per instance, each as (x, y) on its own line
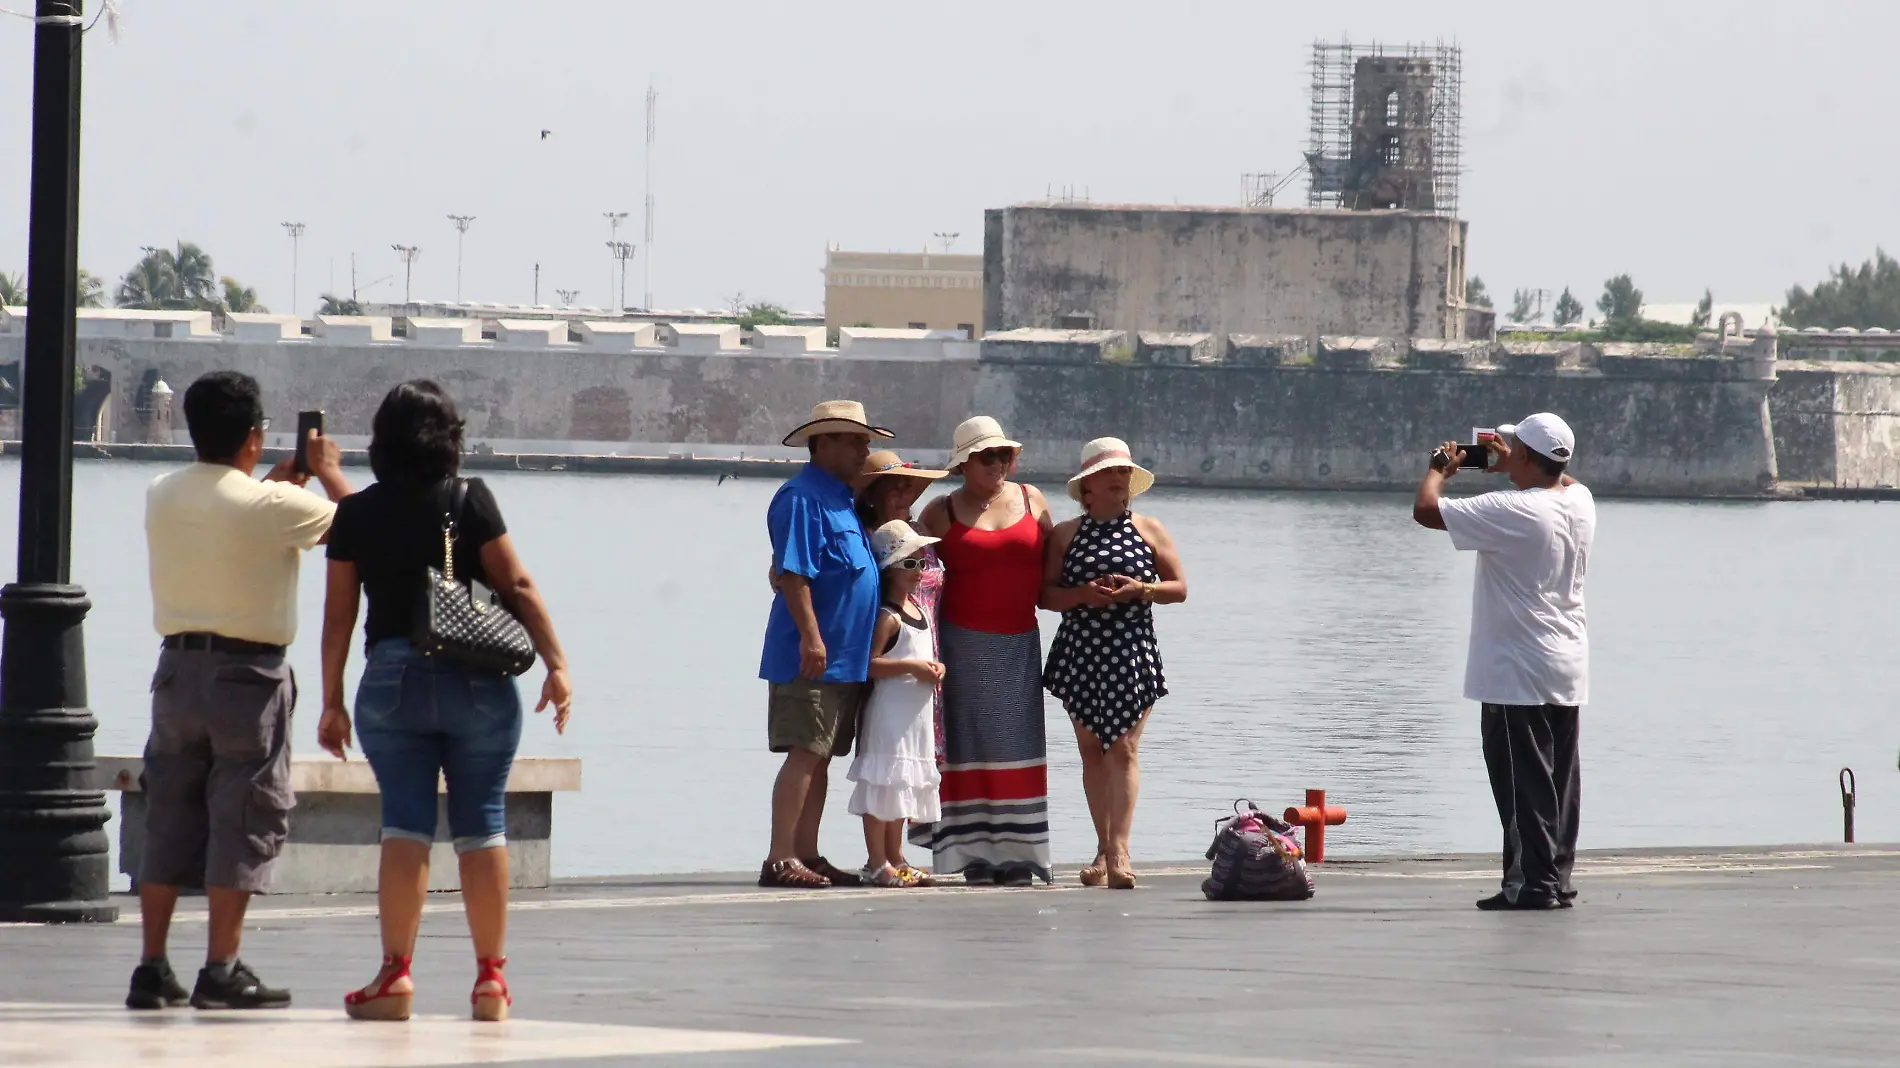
(979, 433)
(1104, 453)
(884, 462)
(836, 417)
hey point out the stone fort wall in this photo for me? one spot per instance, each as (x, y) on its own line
(1727, 419)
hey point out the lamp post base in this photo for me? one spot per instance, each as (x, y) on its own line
(54, 855)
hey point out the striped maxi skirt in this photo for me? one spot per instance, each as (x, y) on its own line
(995, 789)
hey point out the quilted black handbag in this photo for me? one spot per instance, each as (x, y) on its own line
(462, 621)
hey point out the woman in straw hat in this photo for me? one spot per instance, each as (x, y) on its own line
(995, 788)
(1105, 571)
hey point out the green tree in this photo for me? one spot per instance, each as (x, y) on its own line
(1621, 300)
(1863, 297)
(1704, 310)
(91, 291)
(12, 290)
(762, 314)
(1521, 304)
(334, 305)
(1568, 310)
(238, 297)
(171, 278)
(1475, 294)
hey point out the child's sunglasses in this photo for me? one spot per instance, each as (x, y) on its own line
(909, 563)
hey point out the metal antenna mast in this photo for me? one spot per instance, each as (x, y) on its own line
(646, 260)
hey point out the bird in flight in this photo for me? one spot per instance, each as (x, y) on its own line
(545, 133)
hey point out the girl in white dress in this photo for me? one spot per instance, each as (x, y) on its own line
(896, 766)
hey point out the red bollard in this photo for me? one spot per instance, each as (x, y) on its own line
(1314, 816)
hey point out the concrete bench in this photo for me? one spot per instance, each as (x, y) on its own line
(336, 828)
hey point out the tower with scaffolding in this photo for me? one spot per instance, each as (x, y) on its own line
(1386, 124)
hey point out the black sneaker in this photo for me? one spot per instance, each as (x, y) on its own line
(1525, 903)
(155, 987)
(238, 987)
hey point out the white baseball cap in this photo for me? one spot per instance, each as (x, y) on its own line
(896, 540)
(1544, 434)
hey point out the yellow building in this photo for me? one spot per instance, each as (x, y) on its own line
(919, 290)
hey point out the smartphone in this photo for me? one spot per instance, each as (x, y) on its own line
(306, 422)
(1477, 457)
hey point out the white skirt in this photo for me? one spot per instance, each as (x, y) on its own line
(895, 768)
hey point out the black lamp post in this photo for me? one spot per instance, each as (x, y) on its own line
(53, 849)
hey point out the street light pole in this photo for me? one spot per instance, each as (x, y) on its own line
(52, 815)
(614, 219)
(461, 229)
(408, 254)
(295, 230)
(622, 251)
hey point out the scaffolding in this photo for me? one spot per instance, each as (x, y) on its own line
(1329, 144)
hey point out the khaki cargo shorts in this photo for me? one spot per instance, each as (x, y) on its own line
(217, 769)
(819, 717)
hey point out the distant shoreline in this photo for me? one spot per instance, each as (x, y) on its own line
(685, 463)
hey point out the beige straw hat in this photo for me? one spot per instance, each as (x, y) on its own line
(885, 462)
(977, 434)
(1104, 453)
(836, 417)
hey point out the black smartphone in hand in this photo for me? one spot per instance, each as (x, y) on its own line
(306, 422)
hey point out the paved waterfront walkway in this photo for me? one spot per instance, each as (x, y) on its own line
(1773, 956)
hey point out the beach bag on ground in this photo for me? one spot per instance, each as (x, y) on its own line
(463, 622)
(1255, 859)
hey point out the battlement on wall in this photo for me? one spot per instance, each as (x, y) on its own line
(1711, 358)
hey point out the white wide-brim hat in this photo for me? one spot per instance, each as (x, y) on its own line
(896, 540)
(837, 417)
(1104, 453)
(977, 434)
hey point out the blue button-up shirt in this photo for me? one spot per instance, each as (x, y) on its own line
(815, 533)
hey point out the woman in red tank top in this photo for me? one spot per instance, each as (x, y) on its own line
(995, 789)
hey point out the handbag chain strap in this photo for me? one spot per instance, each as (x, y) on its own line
(450, 515)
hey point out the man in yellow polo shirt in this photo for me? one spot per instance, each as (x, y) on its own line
(224, 550)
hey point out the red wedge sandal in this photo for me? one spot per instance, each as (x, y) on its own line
(491, 1007)
(384, 1004)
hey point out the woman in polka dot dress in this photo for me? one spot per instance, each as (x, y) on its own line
(1105, 571)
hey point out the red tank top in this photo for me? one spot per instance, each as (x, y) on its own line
(993, 578)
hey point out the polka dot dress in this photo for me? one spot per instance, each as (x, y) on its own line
(1105, 666)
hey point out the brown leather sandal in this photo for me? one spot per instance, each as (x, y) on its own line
(791, 875)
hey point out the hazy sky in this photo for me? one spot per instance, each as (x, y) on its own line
(1743, 145)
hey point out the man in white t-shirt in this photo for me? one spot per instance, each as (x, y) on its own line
(1529, 661)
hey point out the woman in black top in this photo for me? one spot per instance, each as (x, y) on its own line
(417, 716)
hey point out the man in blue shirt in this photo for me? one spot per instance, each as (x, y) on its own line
(818, 638)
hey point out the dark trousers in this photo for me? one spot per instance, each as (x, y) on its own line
(1530, 752)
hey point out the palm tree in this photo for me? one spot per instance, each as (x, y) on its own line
(92, 292)
(197, 282)
(238, 297)
(12, 289)
(171, 278)
(339, 306)
(150, 284)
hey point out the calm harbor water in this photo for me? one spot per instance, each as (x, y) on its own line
(1742, 655)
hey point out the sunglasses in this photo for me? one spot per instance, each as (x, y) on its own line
(994, 456)
(909, 563)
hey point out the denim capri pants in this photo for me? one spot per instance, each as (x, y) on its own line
(417, 717)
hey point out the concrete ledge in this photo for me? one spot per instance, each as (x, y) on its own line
(336, 828)
(1268, 350)
(797, 340)
(1033, 345)
(1356, 353)
(1433, 354)
(1543, 357)
(1170, 349)
(445, 332)
(615, 337)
